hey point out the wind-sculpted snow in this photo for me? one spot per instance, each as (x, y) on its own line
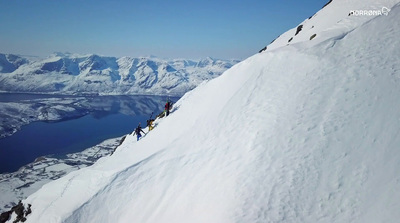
(93, 74)
(302, 133)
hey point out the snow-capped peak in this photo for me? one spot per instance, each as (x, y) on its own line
(66, 73)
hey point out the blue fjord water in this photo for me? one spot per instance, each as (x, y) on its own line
(73, 135)
(60, 138)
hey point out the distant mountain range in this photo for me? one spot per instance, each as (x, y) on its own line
(65, 73)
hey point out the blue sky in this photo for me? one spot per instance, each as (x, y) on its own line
(167, 29)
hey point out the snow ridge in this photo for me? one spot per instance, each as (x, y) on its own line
(334, 20)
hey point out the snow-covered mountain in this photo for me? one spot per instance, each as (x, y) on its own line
(308, 132)
(92, 74)
(9, 63)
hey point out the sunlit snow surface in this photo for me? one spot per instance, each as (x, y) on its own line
(303, 133)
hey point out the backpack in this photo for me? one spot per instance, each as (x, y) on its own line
(150, 121)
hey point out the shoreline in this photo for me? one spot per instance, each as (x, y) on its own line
(29, 178)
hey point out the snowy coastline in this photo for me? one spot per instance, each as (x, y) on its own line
(29, 178)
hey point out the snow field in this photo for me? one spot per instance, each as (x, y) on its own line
(297, 134)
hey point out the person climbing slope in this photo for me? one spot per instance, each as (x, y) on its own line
(150, 124)
(168, 107)
(138, 132)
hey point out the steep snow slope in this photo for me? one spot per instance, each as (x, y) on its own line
(334, 20)
(299, 134)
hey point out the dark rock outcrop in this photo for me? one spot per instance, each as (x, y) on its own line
(299, 28)
(19, 210)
